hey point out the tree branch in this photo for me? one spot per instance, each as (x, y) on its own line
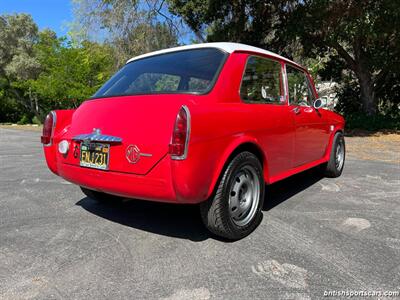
(344, 54)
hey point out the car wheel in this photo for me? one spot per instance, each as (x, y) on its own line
(100, 197)
(234, 211)
(335, 165)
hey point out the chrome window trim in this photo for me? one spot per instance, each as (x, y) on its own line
(285, 84)
(52, 129)
(309, 85)
(188, 129)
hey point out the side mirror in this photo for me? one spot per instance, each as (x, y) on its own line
(318, 103)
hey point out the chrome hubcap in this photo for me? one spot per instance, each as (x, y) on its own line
(339, 155)
(244, 196)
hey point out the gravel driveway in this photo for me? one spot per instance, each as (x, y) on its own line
(317, 235)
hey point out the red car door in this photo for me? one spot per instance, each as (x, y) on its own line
(311, 128)
(263, 90)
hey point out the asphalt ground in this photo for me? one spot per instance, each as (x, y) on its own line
(317, 235)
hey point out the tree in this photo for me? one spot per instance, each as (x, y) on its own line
(69, 74)
(360, 36)
(40, 72)
(130, 27)
(363, 34)
(245, 21)
(18, 34)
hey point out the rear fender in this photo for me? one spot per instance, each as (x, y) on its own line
(227, 156)
(63, 120)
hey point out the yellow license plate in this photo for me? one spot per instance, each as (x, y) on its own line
(95, 155)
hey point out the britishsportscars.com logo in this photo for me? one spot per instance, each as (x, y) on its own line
(353, 293)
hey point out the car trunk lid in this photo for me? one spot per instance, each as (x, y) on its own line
(138, 129)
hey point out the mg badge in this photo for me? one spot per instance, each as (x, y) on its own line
(133, 154)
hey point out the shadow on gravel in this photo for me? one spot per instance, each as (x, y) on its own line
(183, 221)
(279, 192)
(175, 220)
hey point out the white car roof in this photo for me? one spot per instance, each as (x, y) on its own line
(227, 47)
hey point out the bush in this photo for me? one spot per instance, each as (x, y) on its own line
(35, 120)
(350, 106)
(378, 122)
(349, 101)
(24, 120)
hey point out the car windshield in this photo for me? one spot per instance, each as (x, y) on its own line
(188, 71)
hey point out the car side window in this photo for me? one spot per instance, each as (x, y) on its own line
(300, 92)
(262, 81)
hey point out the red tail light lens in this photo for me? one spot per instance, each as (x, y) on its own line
(180, 135)
(48, 128)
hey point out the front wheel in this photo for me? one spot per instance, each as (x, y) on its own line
(235, 209)
(335, 165)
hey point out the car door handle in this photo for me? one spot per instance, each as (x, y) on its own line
(296, 110)
(308, 109)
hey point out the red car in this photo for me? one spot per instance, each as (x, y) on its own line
(209, 124)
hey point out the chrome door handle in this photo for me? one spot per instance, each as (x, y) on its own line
(308, 109)
(296, 110)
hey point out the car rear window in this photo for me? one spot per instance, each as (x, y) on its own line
(189, 71)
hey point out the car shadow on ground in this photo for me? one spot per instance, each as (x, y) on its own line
(283, 190)
(183, 221)
(175, 220)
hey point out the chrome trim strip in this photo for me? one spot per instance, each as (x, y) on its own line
(182, 157)
(134, 148)
(52, 129)
(146, 154)
(97, 137)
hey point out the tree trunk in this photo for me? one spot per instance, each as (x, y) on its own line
(358, 65)
(368, 98)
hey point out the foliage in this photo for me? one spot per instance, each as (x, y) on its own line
(24, 120)
(40, 72)
(70, 74)
(364, 35)
(246, 21)
(18, 33)
(35, 120)
(354, 43)
(131, 27)
(375, 123)
(338, 36)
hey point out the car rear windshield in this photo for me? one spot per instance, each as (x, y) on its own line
(189, 71)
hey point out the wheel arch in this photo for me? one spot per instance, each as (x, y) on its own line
(329, 147)
(245, 144)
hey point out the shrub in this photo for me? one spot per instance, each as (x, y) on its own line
(24, 120)
(35, 120)
(378, 122)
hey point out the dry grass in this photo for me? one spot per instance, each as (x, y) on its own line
(380, 146)
(22, 127)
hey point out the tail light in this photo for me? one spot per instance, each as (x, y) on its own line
(180, 136)
(48, 129)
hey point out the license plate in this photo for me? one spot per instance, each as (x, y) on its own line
(95, 155)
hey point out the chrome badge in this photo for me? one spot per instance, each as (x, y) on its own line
(133, 154)
(96, 131)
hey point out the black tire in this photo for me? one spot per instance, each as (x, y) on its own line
(219, 214)
(335, 165)
(101, 197)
